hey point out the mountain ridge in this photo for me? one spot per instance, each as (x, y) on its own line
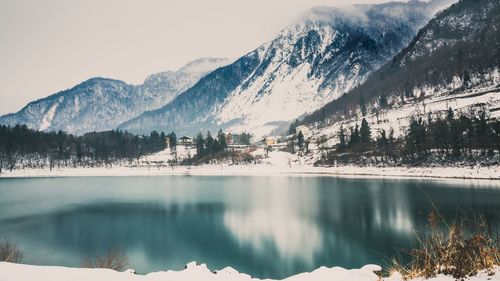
(304, 67)
(98, 103)
(456, 50)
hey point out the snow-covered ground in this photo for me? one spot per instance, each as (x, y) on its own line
(278, 163)
(398, 118)
(181, 152)
(20, 272)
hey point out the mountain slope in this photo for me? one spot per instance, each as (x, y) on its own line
(101, 104)
(330, 51)
(457, 51)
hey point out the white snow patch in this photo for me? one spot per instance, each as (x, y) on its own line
(398, 118)
(193, 271)
(48, 117)
(279, 164)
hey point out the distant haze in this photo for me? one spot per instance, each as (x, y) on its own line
(51, 45)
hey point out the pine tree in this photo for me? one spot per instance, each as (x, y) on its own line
(245, 138)
(209, 144)
(482, 131)
(450, 115)
(455, 138)
(466, 79)
(415, 145)
(496, 135)
(383, 143)
(221, 139)
(173, 140)
(342, 141)
(200, 146)
(292, 130)
(354, 139)
(300, 140)
(163, 137)
(392, 145)
(383, 101)
(365, 133)
(79, 152)
(362, 105)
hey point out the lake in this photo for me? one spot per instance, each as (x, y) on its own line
(264, 226)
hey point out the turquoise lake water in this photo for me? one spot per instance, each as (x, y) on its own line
(264, 226)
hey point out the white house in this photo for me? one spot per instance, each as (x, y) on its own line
(185, 141)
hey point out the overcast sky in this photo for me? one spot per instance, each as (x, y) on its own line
(51, 45)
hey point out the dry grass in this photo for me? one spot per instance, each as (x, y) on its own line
(114, 259)
(460, 250)
(10, 252)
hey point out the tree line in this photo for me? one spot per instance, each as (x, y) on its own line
(210, 146)
(449, 137)
(22, 147)
(210, 149)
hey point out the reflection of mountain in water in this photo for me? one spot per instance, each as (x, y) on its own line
(267, 227)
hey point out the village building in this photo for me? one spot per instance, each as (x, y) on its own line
(186, 141)
(270, 141)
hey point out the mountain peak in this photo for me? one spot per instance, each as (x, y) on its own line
(204, 64)
(455, 53)
(319, 58)
(100, 103)
(195, 67)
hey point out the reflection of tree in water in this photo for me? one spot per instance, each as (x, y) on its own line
(368, 221)
(267, 227)
(166, 236)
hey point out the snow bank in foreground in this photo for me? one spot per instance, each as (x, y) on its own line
(21, 272)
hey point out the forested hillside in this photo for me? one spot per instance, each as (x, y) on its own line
(458, 50)
(472, 138)
(21, 147)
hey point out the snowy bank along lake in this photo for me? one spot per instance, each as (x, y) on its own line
(264, 226)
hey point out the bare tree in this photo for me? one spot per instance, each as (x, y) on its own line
(10, 252)
(114, 259)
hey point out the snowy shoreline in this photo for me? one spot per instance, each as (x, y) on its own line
(193, 271)
(471, 173)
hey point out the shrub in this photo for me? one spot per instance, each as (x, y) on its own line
(114, 259)
(10, 252)
(459, 250)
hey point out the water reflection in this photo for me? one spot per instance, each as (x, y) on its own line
(281, 221)
(265, 226)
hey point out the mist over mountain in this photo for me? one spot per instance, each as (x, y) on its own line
(318, 59)
(456, 52)
(324, 55)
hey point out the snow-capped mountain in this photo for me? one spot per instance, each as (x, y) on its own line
(326, 54)
(100, 104)
(453, 62)
(456, 53)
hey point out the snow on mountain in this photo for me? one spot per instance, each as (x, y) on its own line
(327, 53)
(453, 62)
(100, 104)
